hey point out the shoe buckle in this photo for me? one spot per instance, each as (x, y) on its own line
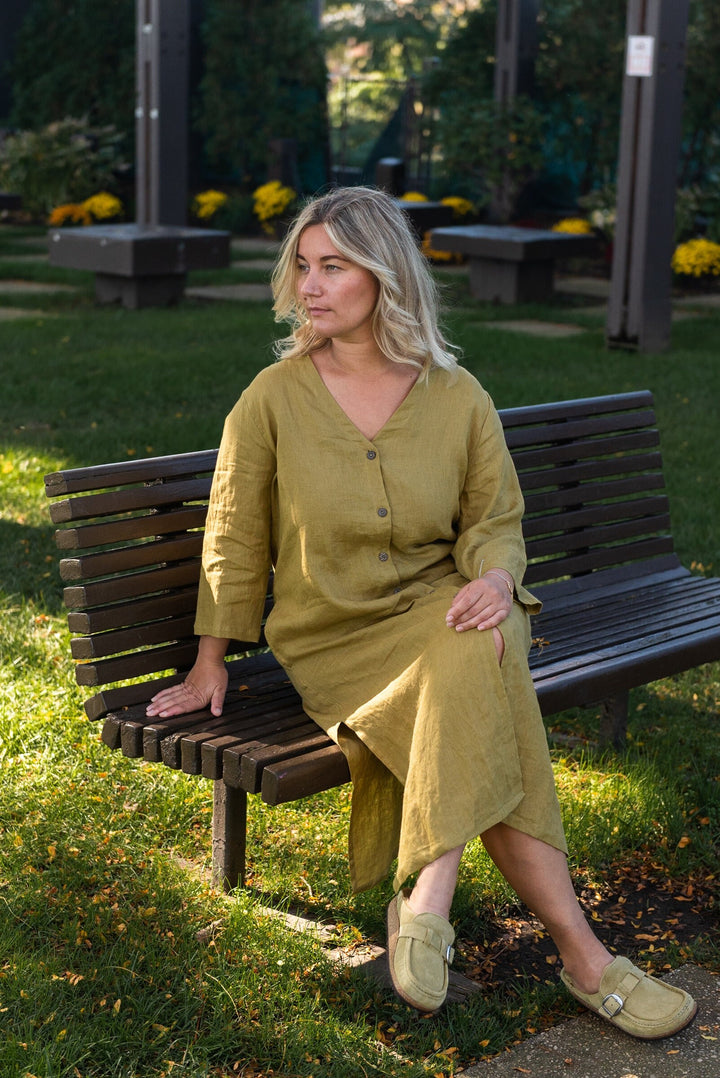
(617, 1004)
(449, 954)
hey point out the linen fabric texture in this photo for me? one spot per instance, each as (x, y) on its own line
(370, 541)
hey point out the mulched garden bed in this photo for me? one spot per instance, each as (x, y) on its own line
(639, 911)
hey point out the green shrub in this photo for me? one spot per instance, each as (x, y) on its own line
(66, 161)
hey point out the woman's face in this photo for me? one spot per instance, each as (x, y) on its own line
(338, 295)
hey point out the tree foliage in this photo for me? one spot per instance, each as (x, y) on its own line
(264, 79)
(75, 60)
(578, 91)
(701, 151)
(384, 36)
(579, 85)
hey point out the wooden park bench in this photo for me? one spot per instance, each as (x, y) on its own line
(510, 264)
(620, 610)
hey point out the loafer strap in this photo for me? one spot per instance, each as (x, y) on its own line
(614, 1002)
(431, 938)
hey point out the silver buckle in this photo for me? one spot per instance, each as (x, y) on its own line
(616, 999)
(449, 955)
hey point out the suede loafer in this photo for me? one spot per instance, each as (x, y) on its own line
(637, 1003)
(419, 953)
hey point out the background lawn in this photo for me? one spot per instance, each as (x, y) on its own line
(116, 956)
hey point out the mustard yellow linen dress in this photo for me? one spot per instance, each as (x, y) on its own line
(370, 541)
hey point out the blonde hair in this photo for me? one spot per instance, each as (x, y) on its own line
(368, 227)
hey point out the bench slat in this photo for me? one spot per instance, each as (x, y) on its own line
(192, 745)
(568, 521)
(545, 457)
(530, 414)
(574, 429)
(289, 780)
(622, 617)
(287, 745)
(131, 499)
(125, 559)
(135, 612)
(582, 494)
(145, 470)
(147, 526)
(553, 568)
(570, 541)
(607, 671)
(268, 722)
(152, 582)
(101, 645)
(580, 472)
(178, 656)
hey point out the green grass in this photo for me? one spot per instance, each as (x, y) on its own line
(116, 956)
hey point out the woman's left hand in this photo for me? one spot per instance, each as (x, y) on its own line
(481, 604)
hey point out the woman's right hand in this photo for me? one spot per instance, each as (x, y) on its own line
(206, 684)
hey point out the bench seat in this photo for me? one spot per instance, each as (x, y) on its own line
(620, 610)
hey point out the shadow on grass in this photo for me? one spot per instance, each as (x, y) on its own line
(28, 565)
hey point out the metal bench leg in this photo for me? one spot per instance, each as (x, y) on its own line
(613, 720)
(228, 835)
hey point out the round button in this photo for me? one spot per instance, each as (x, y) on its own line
(383, 555)
(371, 454)
(382, 512)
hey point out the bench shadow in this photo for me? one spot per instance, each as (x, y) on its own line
(31, 569)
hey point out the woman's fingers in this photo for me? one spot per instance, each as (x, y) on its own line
(481, 604)
(177, 700)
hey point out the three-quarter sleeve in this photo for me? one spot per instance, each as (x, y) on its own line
(236, 557)
(491, 509)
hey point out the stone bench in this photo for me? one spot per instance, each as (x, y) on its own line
(511, 265)
(139, 265)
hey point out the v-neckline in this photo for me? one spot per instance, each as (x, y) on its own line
(347, 418)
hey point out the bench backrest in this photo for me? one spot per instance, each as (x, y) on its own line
(131, 533)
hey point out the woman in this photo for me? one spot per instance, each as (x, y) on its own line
(371, 472)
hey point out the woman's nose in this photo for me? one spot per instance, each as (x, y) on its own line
(310, 284)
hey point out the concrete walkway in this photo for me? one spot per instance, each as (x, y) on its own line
(588, 1047)
(15, 314)
(28, 288)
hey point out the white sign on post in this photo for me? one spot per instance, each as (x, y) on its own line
(640, 53)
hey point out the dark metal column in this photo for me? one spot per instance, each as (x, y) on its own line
(145, 264)
(640, 307)
(515, 52)
(515, 48)
(161, 111)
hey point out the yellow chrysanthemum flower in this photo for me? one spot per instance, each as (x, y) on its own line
(697, 258)
(207, 203)
(577, 225)
(103, 206)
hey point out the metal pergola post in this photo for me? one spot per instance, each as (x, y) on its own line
(515, 48)
(640, 305)
(515, 52)
(161, 111)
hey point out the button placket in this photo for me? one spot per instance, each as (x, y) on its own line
(383, 514)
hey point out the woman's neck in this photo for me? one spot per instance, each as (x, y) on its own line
(356, 358)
